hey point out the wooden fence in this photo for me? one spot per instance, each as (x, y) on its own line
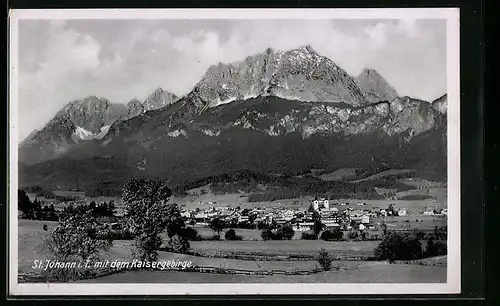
(32, 277)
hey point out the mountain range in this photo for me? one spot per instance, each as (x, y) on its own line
(281, 112)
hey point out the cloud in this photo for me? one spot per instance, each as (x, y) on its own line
(65, 60)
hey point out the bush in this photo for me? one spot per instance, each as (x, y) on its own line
(262, 226)
(435, 248)
(120, 235)
(217, 225)
(213, 238)
(308, 236)
(285, 232)
(334, 235)
(231, 235)
(179, 244)
(396, 246)
(266, 234)
(419, 234)
(353, 235)
(45, 227)
(191, 234)
(324, 259)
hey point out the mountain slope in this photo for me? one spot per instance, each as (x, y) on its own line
(79, 120)
(375, 87)
(264, 134)
(84, 120)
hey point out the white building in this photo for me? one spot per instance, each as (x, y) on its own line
(326, 204)
(365, 219)
(316, 204)
(331, 224)
(361, 227)
(305, 226)
(402, 212)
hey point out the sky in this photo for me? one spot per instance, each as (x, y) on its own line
(64, 60)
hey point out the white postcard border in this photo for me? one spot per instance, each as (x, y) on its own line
(452, 285)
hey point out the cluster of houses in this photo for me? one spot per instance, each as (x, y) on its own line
(301, 220)
(342, 215)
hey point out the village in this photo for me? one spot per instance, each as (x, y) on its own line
(333, 214)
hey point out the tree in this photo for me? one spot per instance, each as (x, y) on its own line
(179, 244)
(396, 246)
(324, 259)
(333, 235)
(384, 228)
(251, 218)
(24, 204)
(147, 215)
(78, 237)
(391, 210)
(435, 248)
(217, 225)
(245, 212)
(286, 231)
(266, 234)
(112, 208)
(311, 208)
(231, 235)
(318, 225)
(308, 236)
(191, 234)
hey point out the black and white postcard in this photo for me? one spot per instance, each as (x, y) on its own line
(221, 152)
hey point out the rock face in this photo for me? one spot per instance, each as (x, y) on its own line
(134, 108)
(298, 74)
(375, 87)
(158, 99)
(89, 118)
(441, 104)
(86, 119)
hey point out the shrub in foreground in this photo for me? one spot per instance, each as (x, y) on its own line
(324, 259)
(179, 244)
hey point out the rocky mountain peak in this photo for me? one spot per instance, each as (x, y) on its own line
(296, 74)
(158, 99)
(374, 86)
(134, 108)
(441, 104)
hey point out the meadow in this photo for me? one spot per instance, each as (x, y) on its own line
(31, 233)
(365, 272)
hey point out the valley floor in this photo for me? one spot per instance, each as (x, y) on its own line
(349, 271)
(365, 272)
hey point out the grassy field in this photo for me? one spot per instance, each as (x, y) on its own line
(384, 174)
(425, 222)
(286, 247)
(31, 234)
(367, 272)
(338, 174)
